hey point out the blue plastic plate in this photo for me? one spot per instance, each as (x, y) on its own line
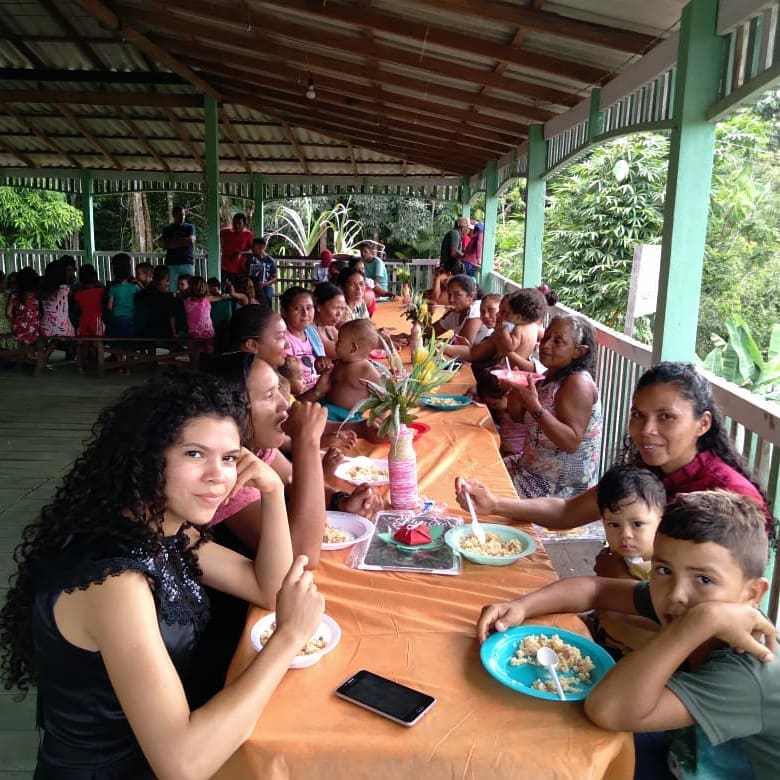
(499, 648)
(446, 403)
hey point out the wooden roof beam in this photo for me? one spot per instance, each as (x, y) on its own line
(74, 35)
(234, 139)
(352, 159)
(23, 158)
(33, 130)
(296, 147)
(384, 52)
(87, 133)
(184, 137)
(107, 17)
(549, 24)
(99, 76)
(142, 138)
(275, 70)
(422, 32)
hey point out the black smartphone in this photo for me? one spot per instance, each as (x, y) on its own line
(385, 697)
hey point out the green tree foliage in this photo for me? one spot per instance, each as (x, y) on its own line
(36, 219)
(595, 219)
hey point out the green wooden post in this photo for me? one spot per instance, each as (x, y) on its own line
(536, 188)
(692, 146)
(258, 193)
(491, 220)
(595, 117)
(211, 113)
(87, 211)
(465, 197)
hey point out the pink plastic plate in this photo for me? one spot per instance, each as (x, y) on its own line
(516, 378)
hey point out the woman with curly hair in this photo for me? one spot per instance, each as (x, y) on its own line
(675, 429)
(107, 603)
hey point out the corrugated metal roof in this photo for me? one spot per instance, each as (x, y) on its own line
(402, 86)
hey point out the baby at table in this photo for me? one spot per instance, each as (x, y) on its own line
(631, 501)
(351, 370)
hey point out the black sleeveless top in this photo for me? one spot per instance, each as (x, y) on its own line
(85, 731)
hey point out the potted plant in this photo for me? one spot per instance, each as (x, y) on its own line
(404, 276)
(418, 313)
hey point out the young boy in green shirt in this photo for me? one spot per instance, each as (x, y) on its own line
(711, 665)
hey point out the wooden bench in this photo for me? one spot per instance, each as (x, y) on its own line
(137, 351)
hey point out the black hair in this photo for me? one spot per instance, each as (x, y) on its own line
(88, 275)
(346, 273)
(161, 273)
(530, 303)
(730, 520)
(213, 280)
(239, 215)
(290, 294)
(466, 283)
(632, 483)
(121, 266)
(488, 386)
(325, 291)
(249, 322)
(54, 276)
(114, 492)
(27, 281)
(584, 336)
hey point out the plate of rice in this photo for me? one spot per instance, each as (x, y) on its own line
(510, 658)
(505, 544)
(360, 470)
(343, 529)
(324, 639)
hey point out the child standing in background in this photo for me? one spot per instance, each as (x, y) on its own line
(89, 301)
(7, 341)
(120, 301)
(197, 307)
(262, 270)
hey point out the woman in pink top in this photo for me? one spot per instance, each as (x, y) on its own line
(54, 298)
(297, 306)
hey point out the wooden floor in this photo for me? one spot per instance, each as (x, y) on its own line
(43, 422)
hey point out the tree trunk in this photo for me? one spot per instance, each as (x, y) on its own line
(142, 222)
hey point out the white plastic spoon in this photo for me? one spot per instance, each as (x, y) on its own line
(476, 526)
(548, 658)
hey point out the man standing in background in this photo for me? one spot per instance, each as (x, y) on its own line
(452, 244)
(178, 240)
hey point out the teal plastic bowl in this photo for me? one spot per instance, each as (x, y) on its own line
(506, 532)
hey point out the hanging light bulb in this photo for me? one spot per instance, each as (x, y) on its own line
(310, 91)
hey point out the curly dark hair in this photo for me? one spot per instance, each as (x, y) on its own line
(120, 474)
(584, 336)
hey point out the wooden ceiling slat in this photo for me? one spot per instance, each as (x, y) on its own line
(107, 17)
(425, 33)
(81, 76)
(87, 133)
(350, 94)
(335, 64)
(380, 53)
(549, 23)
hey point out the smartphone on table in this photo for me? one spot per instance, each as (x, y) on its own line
(386, 697)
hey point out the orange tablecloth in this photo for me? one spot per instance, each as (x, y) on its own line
(420, 630)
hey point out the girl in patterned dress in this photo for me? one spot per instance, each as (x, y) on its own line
(55, 293)
(24, 309)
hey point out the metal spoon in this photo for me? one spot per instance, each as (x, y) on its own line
(476, 526)
(548, 658)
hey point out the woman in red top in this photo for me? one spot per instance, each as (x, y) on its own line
(675, 429)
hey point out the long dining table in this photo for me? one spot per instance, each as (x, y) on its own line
(419, 629)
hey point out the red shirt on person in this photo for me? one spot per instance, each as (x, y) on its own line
(233, 242)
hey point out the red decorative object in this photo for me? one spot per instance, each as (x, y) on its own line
(413, 535)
